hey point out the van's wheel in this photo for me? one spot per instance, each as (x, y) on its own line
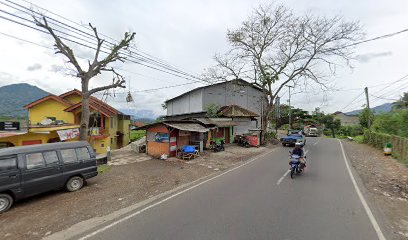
(6, 201)
(74, 184)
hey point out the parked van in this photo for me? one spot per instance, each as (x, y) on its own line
(29, 170)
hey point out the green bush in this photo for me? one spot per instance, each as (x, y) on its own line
(351, 131)
(359, 139)
(270, 135)
(136, 135)
(379, 140)
(395, 123)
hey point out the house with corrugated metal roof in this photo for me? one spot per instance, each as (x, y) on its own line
(240, 102)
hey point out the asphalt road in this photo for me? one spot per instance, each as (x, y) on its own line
(257, 202)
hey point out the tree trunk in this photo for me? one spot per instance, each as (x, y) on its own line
(83, 130)
(333, 134)
(265, 120)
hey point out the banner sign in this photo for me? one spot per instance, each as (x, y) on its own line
(68, 134)
(9, 126)
(162, 137)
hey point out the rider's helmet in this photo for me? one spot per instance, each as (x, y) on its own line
(298, 144)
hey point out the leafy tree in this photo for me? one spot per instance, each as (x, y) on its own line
(159, 119)
(275, 47)
(298, 116)
(318, 116)
(395, 123)
(331, 123)
(366, 117)
(403, 102)
(164, 106)
(96, 66)
(212, 110)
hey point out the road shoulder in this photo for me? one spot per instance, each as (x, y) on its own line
(385, 186)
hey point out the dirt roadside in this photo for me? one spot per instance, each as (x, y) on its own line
(386, 181)
(117, 188)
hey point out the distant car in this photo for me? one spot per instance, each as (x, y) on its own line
(293, 137)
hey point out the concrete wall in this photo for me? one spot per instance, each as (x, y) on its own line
(221, 94)
(49, 108)
(191, 102)
(244, 125)
(233, 94)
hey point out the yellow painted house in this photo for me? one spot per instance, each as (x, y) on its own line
(56, 118)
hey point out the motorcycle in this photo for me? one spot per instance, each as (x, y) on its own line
(243, 141)
(217, 147)
(295, 165)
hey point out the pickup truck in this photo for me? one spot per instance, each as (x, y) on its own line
(292, 138)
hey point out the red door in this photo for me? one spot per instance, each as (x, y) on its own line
(31, 142)
(227, 135)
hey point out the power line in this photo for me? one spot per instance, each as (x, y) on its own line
(58, 23)
(390, 84)
(24, 40)
(377, 38)
(145, 90)
(147, 61)
(352, 101)
(390, 99)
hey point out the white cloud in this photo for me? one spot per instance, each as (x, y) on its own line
(34, 67)
(364, 58)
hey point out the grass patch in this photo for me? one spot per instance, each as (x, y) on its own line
(136, 135)
(103, 168)
(359, 139)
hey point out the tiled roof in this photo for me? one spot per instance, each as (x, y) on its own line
(51, 96)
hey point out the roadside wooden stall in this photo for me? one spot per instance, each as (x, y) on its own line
(165, 138)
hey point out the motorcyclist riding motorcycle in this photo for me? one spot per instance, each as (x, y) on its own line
(298, 150)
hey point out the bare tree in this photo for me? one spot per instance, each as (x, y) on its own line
(95, 67)
(274, 47)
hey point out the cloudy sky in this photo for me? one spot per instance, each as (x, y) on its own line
(188, 33)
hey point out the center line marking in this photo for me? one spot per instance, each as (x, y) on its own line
(284, 175)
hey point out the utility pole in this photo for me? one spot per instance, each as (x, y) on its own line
(290, 109)
(368, 107)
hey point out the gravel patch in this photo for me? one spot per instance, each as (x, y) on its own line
(387, 183)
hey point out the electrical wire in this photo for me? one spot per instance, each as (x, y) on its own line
(88, 35)
(352, 101)
(148, 64)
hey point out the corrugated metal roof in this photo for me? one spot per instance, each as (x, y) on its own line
(236, 111)
(191, 127)
(223, 123)
(205, 121)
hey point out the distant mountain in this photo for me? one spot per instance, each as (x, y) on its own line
(383, 108)
(143, 115)
(14, 97)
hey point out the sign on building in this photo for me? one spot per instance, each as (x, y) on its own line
(68, 134)
(9, 126)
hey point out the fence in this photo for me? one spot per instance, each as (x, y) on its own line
(399, 144)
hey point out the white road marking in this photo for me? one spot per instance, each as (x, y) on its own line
(316, 142)
(168, 198)
(285, 174)
(362, 199)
